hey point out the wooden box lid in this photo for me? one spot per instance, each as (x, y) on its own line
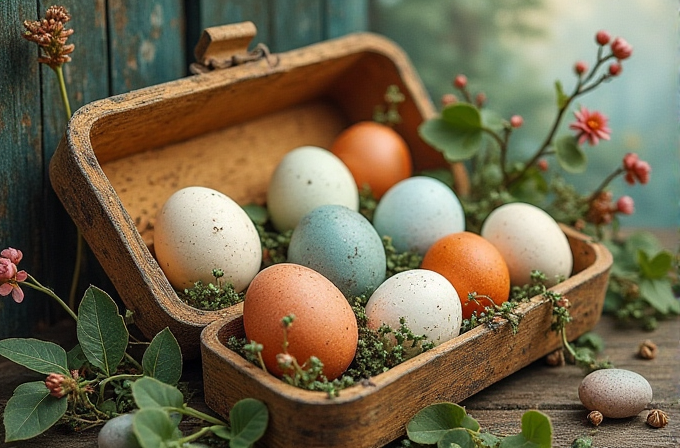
(226, 129)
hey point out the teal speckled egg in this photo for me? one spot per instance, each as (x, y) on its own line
(341, 245)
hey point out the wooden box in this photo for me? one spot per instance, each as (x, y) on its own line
(227, 129)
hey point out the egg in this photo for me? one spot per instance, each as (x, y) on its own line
(616, 393)
(472, 265)
(418, 211)
(324, 324)
(529, 239)
(304, 179)
(425, 299)
(342, 245)
(198, 230)
(375, 154)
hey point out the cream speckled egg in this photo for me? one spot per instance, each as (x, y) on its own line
(306, 178)
(427, 301)
(616, 393)
(529, 239)
(199, 229)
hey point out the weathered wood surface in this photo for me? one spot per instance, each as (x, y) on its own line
(498, 408)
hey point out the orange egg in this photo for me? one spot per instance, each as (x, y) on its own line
(324, 324)
(375, 155)
(471, 264)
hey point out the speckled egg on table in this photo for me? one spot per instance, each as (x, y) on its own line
(418, 211)
(616, 393)
(342, 245)
(199, 229)
(304, 179)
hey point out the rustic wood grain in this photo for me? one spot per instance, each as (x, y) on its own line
(21, 159)
(497, 408)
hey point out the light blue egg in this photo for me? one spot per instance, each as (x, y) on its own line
(341, 245)
(418, 211)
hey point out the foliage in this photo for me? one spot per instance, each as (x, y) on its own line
(449, 425)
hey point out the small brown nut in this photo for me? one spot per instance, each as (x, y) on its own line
(647, 350)
(556, 358)
(595, 418)
(657, 418)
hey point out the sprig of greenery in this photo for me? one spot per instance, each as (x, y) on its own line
(213, 296)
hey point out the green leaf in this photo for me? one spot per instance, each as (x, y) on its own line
(456, 438)
(101, 331)
(562, 98)
(645, 241)
(248, 418)
(153, 428)
(432, 422)
(76, 358)
(39, 356)
(658, 267)
(31, 410)
(491, 120)
(151, 393)
(488, 440)
(454, 143)
(659, 294)
(536, 432)
(463, 116)
(163, 358)
(570, 155)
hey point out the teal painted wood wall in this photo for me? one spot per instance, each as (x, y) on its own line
(121, 45)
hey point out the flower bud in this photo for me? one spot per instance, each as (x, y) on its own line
(580, 67)
(615, 69)
(480, 99)
(14, 255)
(54, 383)
(542, 165)
(284, 360)
(625, 205)
(516, 121)
(602, 37)
(460, 81)
(449, 99)
(621, 49)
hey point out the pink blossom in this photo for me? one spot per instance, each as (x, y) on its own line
(516, 121)
(615, 69)
(602, 37)
(7, 270)
(621, 49)
(580, 67)
(54, 383)
(542, 165)
(591, 126)
(14, 255)
(625, 205)
(460, 81)
(10, 278)
(636, 169)
(449, 99)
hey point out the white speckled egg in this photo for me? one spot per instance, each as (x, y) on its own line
(306, 178)
(529, 239)
(427, 301)
(199, 229)
(340, 244)
(418, 211)
(616, 393)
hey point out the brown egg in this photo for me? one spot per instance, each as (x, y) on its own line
(375, 155)
(324, 324)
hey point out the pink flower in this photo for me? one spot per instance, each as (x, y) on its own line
(625, 205)
(14, 255)
(460, 81)
(516, 121)
(580, 67)
(621, 49)
(53, 382)
(602, 37)
(7, 270)
(636, 169)
(592, 126)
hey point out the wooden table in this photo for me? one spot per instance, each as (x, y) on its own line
(552, 390)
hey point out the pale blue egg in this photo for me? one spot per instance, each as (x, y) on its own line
(341, 245)
(418, 211)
